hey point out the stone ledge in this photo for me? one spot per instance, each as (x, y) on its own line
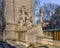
(13, 44)
(14, 23)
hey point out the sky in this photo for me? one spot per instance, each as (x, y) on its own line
(39, 3)
(0, 4)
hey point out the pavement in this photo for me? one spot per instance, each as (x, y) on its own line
(41, 46)
(56, 44)
(52, 44)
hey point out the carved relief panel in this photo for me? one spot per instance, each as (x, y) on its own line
(25, 18)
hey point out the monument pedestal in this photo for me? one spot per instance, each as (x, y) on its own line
(9, 32)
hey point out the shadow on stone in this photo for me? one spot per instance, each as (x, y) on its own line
(43, 47)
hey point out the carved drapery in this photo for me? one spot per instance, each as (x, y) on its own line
(25, 18)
